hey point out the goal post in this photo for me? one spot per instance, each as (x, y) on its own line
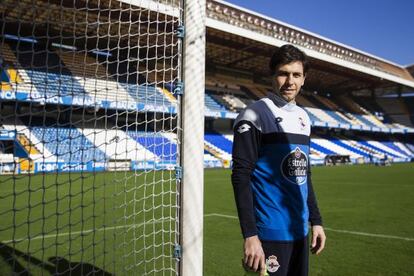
(193, 138)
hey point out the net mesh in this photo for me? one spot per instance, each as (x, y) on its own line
(89, 137)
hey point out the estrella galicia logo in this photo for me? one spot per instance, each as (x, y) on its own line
(294, 167)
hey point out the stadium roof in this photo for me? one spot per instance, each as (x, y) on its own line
(410, 68)
(245, 40)
(238, 40)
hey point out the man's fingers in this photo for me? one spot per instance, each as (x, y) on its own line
(322, 244)
(262, 265)
(250, 260)
(246, 259)
(253, 253)
(256, 263)
(315, 244)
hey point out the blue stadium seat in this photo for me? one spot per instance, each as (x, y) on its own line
(53, 84)
(391, 145)
(365, 143)
(219, 141)
(68, 144)
(145, 94)
(213, 104)
(161, 146)
(338, 118)
(364, 120)
(348, 147)
(320, 148)
(312, 117)
(410, 147)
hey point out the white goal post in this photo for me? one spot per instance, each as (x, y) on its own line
(193, 138)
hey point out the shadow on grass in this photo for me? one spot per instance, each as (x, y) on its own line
(19, 263)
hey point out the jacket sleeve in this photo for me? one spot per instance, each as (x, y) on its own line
(314, 214)
(245, 154)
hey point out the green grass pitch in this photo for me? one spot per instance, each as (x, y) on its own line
(368, 213)
(365, 199)
(76, 220)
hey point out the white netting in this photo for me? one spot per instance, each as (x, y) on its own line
(89, 137)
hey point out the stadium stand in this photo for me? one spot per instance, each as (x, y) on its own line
(255, 90)
(104, 78)
(212, 104)
(368, 103)
(211, 162)
(158, 144)
(322, 112)
(226, 93)
(220, 100)
(217, 145)
(410, 147)
(145, 94)
(41, 152)
(355, 150)
(94, 77)
(367, 149)
(409, 101)
(68, 144)
(85, 145)
(332, 109)
(117, 144)
(396, 110)
(65, 78)
(219, 141)
(91, 66)
(48, 85)
(334, 147)
(235, 102)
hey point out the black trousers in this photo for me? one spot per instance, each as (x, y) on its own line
(287, 258)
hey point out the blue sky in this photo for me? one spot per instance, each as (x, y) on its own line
(383, 28)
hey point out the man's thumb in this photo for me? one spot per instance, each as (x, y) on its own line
(314, 237)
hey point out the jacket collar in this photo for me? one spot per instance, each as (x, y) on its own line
(279, 101)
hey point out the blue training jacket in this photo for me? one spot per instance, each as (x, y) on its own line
(271, 171)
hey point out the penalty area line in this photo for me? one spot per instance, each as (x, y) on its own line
(333, 230)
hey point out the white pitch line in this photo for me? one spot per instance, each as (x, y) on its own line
(206, 215)
(85, 231)
(332, 230)
(220, 215)
(370, 234)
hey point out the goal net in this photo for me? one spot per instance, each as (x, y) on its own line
(89, 137)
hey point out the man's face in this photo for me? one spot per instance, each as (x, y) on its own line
(289, 79)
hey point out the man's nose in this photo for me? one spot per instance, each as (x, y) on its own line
(289, 79)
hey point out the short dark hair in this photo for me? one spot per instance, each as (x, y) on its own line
(287, 54)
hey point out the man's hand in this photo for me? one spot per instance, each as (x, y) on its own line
(254, 257)
(318, 239)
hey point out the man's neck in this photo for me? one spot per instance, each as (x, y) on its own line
(279, 100)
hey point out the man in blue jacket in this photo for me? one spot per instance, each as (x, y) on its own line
(271, 174)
